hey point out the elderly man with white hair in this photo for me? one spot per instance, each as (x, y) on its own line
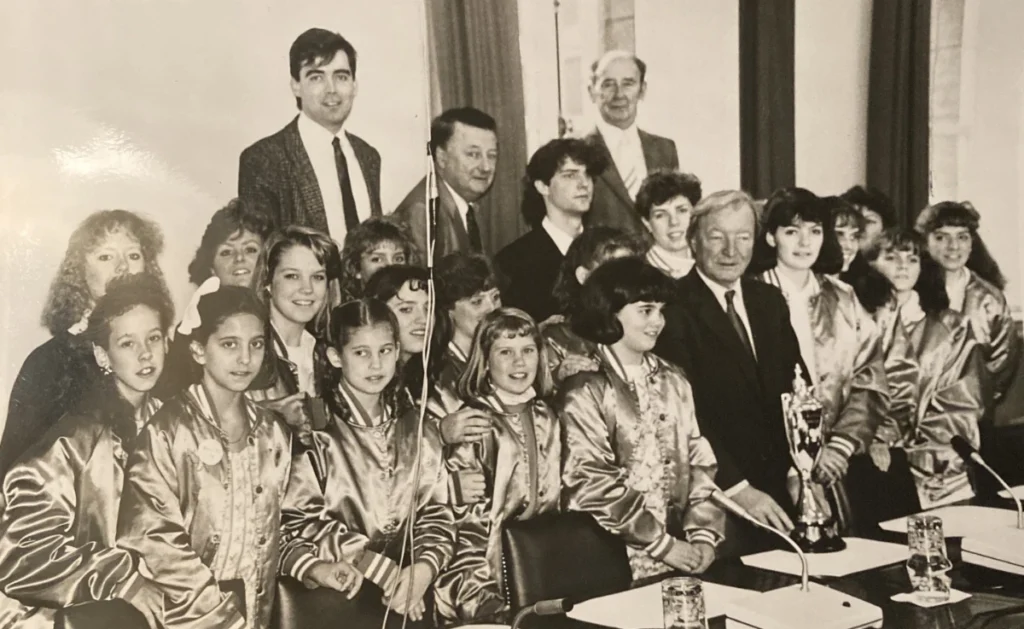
(732, 336)
(617, 85)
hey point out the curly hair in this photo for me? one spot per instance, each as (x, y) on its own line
(364, 237)
(124, 294)
(588, 250)
(543, 165)
(502, 323)
(783, 209)
(662, 186)
(931, 283)
(69, 296)
(231, 220)
(953, 214)
(610, 288)
(324, 250)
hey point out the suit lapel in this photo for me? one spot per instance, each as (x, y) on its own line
(312, 208)
(458, 237)
(651, 158)
(370, 167)
(710, 312)
(762, 328)
(611, 174)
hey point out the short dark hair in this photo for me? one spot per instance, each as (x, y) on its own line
(443, 127)
(785, 207)
(545, 163)
(588, 250)
(662, 186)
(844, 213)
(931, 284)
(386, 282)
(874, 200)
(640, 65)
(364, 237)
(460, 275)
(214, 308)
(316, 47)
(123, 294)
(234, 218)
(610, 288)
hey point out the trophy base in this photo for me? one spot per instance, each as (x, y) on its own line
(817, 538)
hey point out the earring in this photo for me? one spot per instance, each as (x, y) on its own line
(106, 370)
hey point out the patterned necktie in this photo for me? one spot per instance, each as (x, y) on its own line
(737, 323)
(473, 230)
(348, 200)
(630, 172)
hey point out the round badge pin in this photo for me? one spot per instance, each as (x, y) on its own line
(210, 451)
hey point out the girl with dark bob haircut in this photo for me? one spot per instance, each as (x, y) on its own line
(849, 225)
(58, 531)
(934, 374)
(838, 339)
(53, 378)
(613, 286)
(633, 455)
(376, 243)
(975, 286)
(230, 246)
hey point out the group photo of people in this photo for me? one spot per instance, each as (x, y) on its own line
(359, 397)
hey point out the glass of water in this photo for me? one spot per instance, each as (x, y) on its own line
(928, 565)
(682, 600)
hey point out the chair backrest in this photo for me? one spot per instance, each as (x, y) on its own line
(557, 555)
(100, 615)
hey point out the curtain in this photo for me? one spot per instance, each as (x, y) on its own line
(898, 104)
(767, 130)
(475, 46)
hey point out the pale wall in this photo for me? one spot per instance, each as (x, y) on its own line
(146, 106)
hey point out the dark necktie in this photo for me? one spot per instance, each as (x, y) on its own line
(473, 229)
(348, 200)
(737, 323)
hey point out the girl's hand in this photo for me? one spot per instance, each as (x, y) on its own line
(707, 556)
(466, 424)
(293, 409)
(472, 485)
(409, 589)
(831, 466)
(340, 576)
(573, 365)
(880, 456)
(684, 556)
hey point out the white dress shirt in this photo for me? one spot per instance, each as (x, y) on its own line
(737, 302)
(318, 143)
(562, 239)
(627, 154)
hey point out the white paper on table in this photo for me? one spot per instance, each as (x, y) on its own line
(859, 555)
(962, 521)
(1001, 549)
(1018, 492)
(955, 596)
(640, 608)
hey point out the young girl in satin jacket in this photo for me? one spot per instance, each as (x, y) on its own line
(519, 458)
(633, 455)
(201, 502)
(975, 286)
(348, 501)
(57, 533)
(934, 371)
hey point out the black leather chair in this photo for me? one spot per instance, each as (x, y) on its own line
(299, 607)
(559, 555)
(115, 614)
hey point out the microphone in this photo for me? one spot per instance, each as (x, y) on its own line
(552, 607)
(969, 454)
(796, 607)
(433, 199)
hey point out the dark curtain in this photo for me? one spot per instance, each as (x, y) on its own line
(767, 131)
(475, 46)
(898, 104)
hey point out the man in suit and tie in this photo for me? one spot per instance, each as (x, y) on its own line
(313, 172)
(464, 143)
(559, 189)
(617, 85)
(732, 337)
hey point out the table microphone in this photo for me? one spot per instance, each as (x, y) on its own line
(553, 607)
(969, 454)
(803, 606)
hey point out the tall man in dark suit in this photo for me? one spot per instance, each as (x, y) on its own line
(464, 142)
(733, 338)
(617, 85)
(559, 189)
(313, 172)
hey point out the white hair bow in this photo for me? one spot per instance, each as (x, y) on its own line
(191, 320)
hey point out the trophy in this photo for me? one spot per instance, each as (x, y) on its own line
(814, 531)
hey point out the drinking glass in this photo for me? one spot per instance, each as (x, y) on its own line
(928, 566)
(682, 600)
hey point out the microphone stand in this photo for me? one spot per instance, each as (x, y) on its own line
(563, 124)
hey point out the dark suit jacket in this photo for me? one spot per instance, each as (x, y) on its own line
(529, 267)
(611, 205)
(451, 231)
(737, 399)
(276, 178)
